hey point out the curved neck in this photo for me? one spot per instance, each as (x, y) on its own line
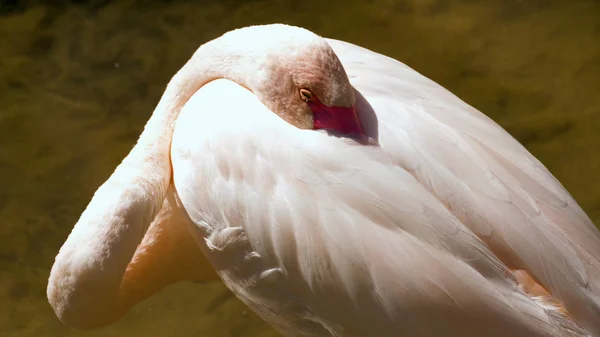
(84, 284)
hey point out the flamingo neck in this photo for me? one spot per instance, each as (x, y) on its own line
(85, 282)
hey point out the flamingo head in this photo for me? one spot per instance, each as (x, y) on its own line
(303, 81)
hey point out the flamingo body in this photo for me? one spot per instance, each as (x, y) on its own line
(443, 226)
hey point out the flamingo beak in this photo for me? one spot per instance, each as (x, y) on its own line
(341, 120)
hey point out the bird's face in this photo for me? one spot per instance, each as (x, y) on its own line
(306, 85)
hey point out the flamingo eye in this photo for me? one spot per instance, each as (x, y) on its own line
(306, 95)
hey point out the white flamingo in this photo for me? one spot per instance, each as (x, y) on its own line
(409, 213)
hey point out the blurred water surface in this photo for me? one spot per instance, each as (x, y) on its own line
(79, 79)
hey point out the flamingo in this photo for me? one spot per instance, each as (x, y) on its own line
(336, 192)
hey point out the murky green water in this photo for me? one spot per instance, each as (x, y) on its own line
(77, 83)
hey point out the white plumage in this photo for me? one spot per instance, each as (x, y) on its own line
(324, 236)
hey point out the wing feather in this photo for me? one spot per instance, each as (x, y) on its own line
(344, 245)
(484, 177)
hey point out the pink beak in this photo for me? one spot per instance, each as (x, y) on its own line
(339, 119)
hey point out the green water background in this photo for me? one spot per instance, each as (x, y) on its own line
(79, 79)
